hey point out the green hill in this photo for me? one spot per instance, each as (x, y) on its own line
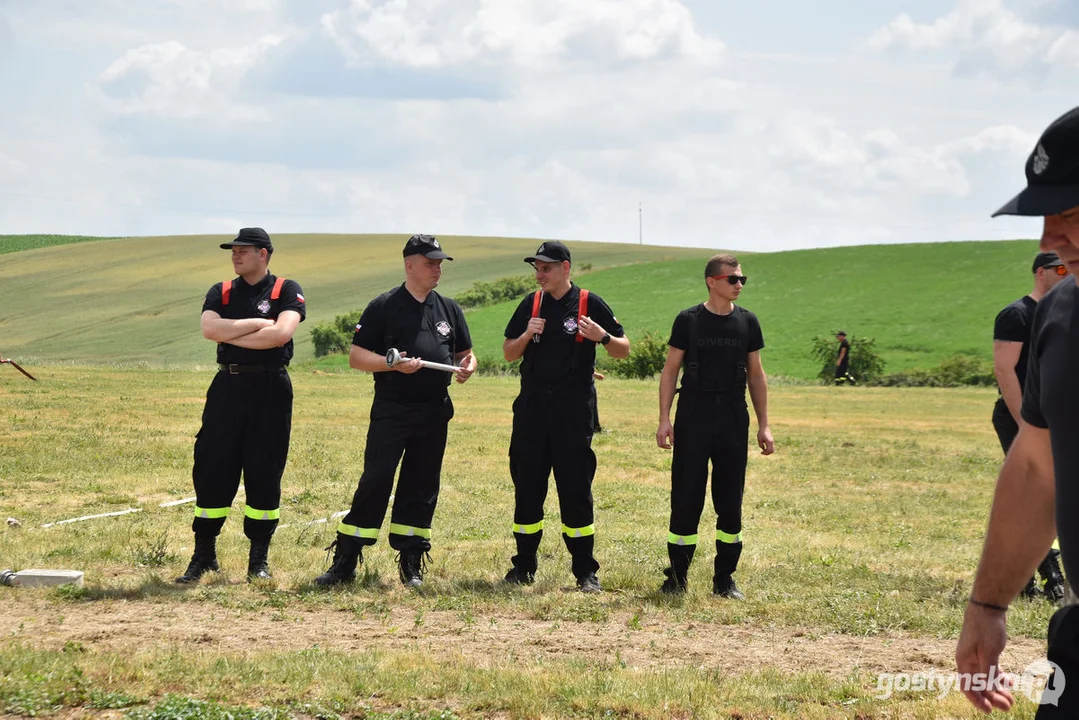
(138, 300)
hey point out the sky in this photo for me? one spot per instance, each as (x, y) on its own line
(766, 126)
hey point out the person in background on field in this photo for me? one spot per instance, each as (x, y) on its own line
(1011, 331)
(556, 330)
(1036, 495)
(717, 344)
(247, 420)
(842, 361)
(410, 414)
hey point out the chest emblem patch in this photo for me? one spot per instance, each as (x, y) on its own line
(570, 325)
(263, 306)
(443, 328)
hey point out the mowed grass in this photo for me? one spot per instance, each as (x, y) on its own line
(18, 243)
(863, 528)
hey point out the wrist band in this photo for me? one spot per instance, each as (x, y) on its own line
(989, 606)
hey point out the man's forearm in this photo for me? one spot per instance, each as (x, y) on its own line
(1021, 524)
(1012, 393)
(224, 330)
(758, 393)
(667, 383)
(264, 339)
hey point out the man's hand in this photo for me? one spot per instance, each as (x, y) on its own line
(535, 326)
(591, 330)
(408, 366)
(765, 441)
(981, 641)
(665, 435)
(467, 364)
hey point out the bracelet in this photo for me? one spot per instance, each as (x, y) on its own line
(988, 606)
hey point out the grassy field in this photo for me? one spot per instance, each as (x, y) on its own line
(861, 537)
(17, 243)
(137, 301)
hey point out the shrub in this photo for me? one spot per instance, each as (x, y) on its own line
(647, 356)
(492, 293)
(865, 364)
(335, 336)
(956, 371)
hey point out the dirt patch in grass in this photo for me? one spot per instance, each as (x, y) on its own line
(623, 638)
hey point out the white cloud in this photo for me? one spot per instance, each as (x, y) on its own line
(985, 37)
(170, 80)
(536, 34)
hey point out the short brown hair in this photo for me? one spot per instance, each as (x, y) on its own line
(714, 263)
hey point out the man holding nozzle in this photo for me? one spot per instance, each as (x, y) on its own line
(409, 415)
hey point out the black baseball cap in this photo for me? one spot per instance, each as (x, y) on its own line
(426, 245)
(255, 237)
(1052, 172)
(550, 251)
(1045, 259)
(840, 333)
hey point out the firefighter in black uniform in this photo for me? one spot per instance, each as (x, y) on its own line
(718, 343)
(409, 415)
(248, 414)
(553, 415)
(842, 360)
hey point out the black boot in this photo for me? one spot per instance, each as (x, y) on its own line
(203, 559)
(724, 587)
(1053, 578)
(411, 567)
(347, 553)
(678, 573)
(258, 563)
(1031, 590)
(727, 555)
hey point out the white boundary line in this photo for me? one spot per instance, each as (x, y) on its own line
(93, 517)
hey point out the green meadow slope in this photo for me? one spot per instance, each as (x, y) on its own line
(138, 300)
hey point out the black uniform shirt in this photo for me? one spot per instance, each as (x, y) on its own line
(845, 362)
(253, 301)
(558, 361)
(1013, 325)
(432, 330)
(1050, 399)
(723, 345)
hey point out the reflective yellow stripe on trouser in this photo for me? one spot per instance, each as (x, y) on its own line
(256, 514)
(681, 539)
(353, 531)
(530, 529)
(579, 532)
(211, 513)
(410, 531)
(728, 538)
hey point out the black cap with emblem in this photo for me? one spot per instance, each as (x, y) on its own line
(426, 245)
(1052, 172)
(255, 237)
(550, 251)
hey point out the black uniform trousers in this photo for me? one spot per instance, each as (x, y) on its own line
(1064, 651)
(708, 427)
(552, 430)
(414, 435)
(1004, 424)
(246, 425)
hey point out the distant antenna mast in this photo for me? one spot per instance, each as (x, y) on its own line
(640, 224)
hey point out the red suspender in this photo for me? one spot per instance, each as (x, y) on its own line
(277, 288)
(582, 309)
(537, 300)
(226, 288)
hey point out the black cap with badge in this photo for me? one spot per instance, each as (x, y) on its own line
(426, 245)
(255, 237)
(1052, 172)
(550, 251)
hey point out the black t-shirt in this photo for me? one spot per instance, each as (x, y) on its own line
(1013, 325)
(434, 330)
(844, 363)
(723, 346)
(253, 301)
(558, 360)
(1050, 397)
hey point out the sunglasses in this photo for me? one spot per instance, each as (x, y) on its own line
(732, 279)
(1061, 270)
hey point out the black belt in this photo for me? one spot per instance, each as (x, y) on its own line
(237, 369)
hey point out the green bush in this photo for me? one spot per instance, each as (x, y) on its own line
(501, 290)
(336, 336)
(957, 371)
(647, 355)
(865, 364)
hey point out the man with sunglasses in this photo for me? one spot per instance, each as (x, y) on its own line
(1036, 495)
(717, 344)
(1011, 331)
